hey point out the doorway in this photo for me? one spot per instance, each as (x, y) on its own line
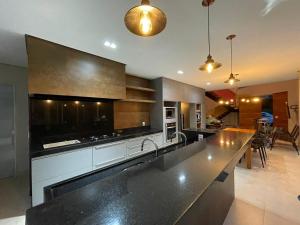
(281, 110)
(7, 131)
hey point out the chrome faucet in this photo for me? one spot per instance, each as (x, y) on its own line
(148, 139)
(182, 134)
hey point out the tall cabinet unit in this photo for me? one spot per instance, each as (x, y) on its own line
(168, 90)
(196, 116)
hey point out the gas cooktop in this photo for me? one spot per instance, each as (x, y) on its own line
(93, 138)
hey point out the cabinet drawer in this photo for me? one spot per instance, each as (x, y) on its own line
(133, 143)
(104, 155)
(57, 165)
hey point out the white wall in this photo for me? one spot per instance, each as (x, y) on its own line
(17, 76)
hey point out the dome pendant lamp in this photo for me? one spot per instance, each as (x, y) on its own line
(232, 77)
(209, 64)
(145, 20)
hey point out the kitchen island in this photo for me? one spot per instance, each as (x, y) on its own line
(189, 185)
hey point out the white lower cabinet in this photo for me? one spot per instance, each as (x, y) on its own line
(51, 169)
(48, 170)
(104, 155)
(134, 146)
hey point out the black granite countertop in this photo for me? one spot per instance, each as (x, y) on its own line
(202, 130)
(37, 150)
(154, 193)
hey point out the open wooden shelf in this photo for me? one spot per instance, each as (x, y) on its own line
(138, 100)
(140, 88)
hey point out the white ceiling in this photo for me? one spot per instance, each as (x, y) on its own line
(267, 48)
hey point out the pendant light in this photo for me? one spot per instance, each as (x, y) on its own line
(210, 64)
(232, 77)
(145, 20)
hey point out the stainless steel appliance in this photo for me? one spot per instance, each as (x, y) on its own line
(171, 128)
(170, 112)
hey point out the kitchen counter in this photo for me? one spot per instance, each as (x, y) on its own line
(37, 150)
(164, 191)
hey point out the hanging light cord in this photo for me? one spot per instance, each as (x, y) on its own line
(231, 53)
(208, 29)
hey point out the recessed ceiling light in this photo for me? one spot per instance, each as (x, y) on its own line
(110, 44)
(180, 72)
(113, 45)
(208, 83)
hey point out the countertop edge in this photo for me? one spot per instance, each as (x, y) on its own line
(206, 188)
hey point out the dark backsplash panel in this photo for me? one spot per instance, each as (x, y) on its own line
(53, 116)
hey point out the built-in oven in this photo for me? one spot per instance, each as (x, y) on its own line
(171, 129)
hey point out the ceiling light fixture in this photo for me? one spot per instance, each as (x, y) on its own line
(256, 99)
(110, 44)
(180, 72)
(232, 77)
(208, 83)
(209, 64)
(145, 20)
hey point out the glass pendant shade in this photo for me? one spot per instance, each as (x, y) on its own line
(232, 77)
(145, 20)
(210, 65)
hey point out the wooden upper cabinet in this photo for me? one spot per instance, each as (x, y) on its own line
(177, 91)
(58, 70)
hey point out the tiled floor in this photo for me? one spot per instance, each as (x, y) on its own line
(263, 196)
(268, 196)
(14, 200)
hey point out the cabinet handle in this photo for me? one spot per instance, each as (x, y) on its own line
(109, 162)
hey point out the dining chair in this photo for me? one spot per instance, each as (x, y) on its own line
(282, 134)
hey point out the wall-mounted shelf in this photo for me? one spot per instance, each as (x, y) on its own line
(138, 100)
(140, 88)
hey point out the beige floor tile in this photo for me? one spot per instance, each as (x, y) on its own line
(273, 189)
(15, 199)
(273, 219)
(242, 213)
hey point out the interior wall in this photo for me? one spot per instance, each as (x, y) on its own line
(17, 76)
(210, 105)
(292, 86)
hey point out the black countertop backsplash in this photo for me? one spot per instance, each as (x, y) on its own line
(156, 192)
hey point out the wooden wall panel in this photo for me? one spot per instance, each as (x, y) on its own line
(58, 70)
(131, 114)
(249, 112)
(137, 81)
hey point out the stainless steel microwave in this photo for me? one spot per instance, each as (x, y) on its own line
(170, 113)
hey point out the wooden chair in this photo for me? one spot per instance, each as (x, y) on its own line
(281, 134)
